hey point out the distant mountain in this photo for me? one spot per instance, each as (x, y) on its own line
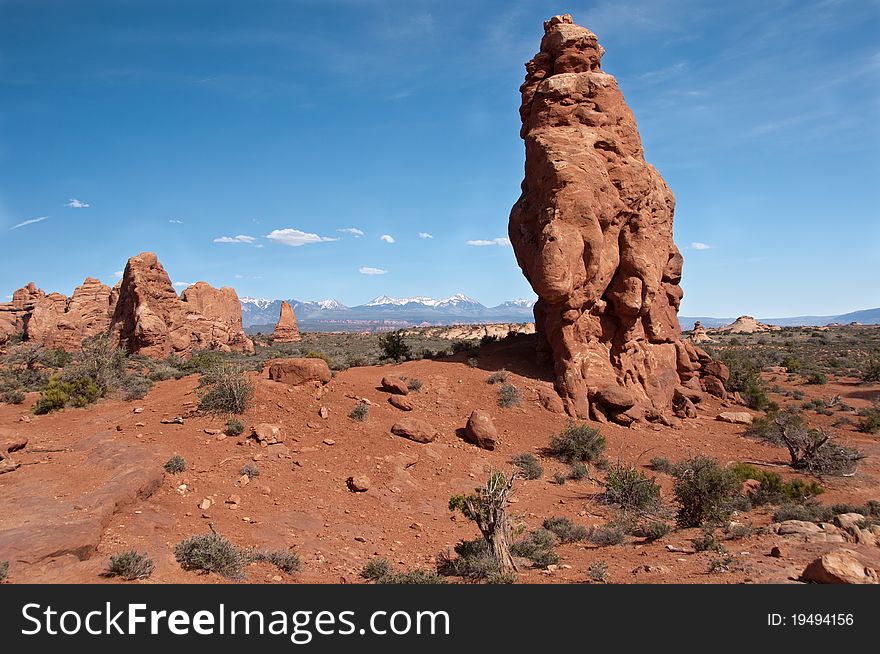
(865, 316)
(383, 312)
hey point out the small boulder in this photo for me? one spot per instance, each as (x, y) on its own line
(268, 434)
(550, 400)
(735, 417)
(713, 386)
(839, 567)
(415, 430)
(394, 385)
(401, 402)
(848, 520)
(295, 372)
(480, 430)
(323, 413)
(358, 483)
(615, 398)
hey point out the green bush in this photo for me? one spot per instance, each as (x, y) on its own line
(870, 419)
(652, 530)
(376, 569)
(394, 346)
(211, 553)
(175, 465)
(286, 561)
(508, 396)
(565, 530)
(136, 387)
(474, 561)
(234, 427)
(537, 547)
(817, 378)
(871, 372)
(578, 442)
(53, 398)
(662, 464)
(130, 565)
(611, 533)
(630, 488)
(578, 471)
(528, 465)
(745, 379)
(774, 489)
(412, 577)
(12, 396)
(704, 491)
(226, 389)
(598, 571)
(706, 541)
(360, 412)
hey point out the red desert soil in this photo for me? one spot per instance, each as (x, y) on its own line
(91, 482)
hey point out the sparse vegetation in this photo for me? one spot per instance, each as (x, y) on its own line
(473, 561)
(4, 570)
(414, 385)
(611, 533)
(394, 346)
(360, 412)
(630, 489)
(250, 470)
(773, 488)
(705, 492)
(578, 442)
(487, 507)
(598, 571)
(376, 568)
(130, 565)
(286, 561)
(234, 427)
(529, 467)
(537, 546)
(565, 530)
(211, 553)
(226, 389)
(578, 471)
(869, 423)
(175, 465)
(498, 377)
(508, 396)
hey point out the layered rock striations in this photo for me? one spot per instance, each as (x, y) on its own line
(592, 232)
(286, 330)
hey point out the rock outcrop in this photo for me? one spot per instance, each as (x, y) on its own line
(286, 330)
(14, 315)
(745, 325)
(150, 318)
(592, 232)
(699, 335)
(295, 372)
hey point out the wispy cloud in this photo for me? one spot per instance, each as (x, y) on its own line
(296, 237)
(367, 270)
(30, 222)
(387, 238)
(425, 235)
(241, 238)
(501, 240)
(73, 203)
(175, 221)
(354, 231)
(696, 245)
(118, 273)
(182, 284)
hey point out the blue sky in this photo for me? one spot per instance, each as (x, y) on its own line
(132, 125)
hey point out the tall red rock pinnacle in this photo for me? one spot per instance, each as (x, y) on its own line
(286, 330)
(592, 232)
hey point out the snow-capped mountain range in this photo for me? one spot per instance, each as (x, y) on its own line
(262, 313)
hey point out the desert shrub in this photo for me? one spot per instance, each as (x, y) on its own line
(473, 561)
(469, 347)
(99, 360)
(721, 564)
(394, 346)
(798, 395)
(508, 396)
(130, 565)
(809, 449)
(870, 419)
(360, 412)
(226, 389)
(808, 512)
(745, 378)
(234, 427)
(311, 354)
(25, 362)
(537, 546)
(286, 561)
(12, 396)
(662, 464)
(706, 541)
(411, 577)
(415, 385)
(611, 533)
(817, 378)
(250, 470)
(871, 372)
(529, 467)
(498, 377)
(738, 531)
(211, 553)
(136, 387)
(78, 391)
(598, 571)
(376, 568)
(559, 478)
(4, 570)
(175, 465)
(578, 471)
(652, 530)
(565, 530)
(578, 442)
(630, 488)
(705, 492)
(774, 489)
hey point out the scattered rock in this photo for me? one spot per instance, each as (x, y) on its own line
(176, 420)
(415, 430)
(296, 372)
(210, 431)
(848, 520)
(206, 504)
(358, 483)
(480, 430)
(323, 413)
(395, 385)
(329, 441)
(401, 402)
(735, 417)
(839, 567)
(777, 552)
(267, 434)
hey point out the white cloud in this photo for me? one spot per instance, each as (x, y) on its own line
(296, 237)
(30, 222)
(175, 221)
(354, 231)
(425, 235)
(182, 284)
(367, 270)
(696, 245)
(387, 238)
(118, 273)
(501, 240)
(241, 238)
(73, 203)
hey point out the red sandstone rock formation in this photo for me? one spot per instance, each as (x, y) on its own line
(592, 232)
(286, 330)
(14, 315)
(150, 318)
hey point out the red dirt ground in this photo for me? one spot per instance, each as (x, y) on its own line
(98, 463)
